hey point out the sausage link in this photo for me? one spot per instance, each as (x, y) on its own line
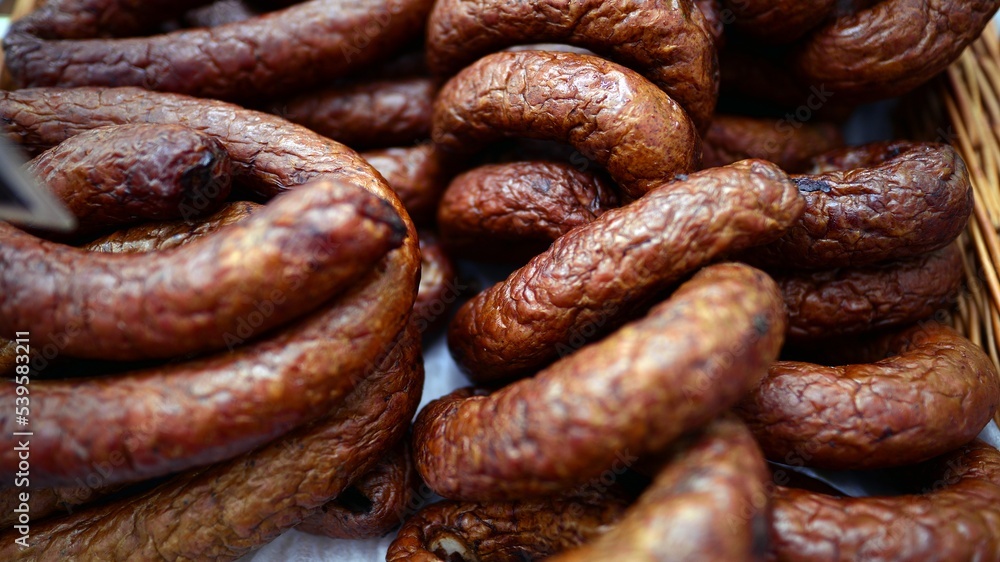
(608, 112)
(124, 174)
(224, 511)
(593, 277)
(228, 404)
(708, 503)
(850, 56)
(934, 392)
(171, 234)
(954, 519)
(529, 204)
(371, 506)
(370, 114)
(504, 531)
(301, 250)
(732, 138)
(634, 392)
(784, 21)
(273, 54)
(669, 42)
(418, 175)
(905, 199)
(849, 301)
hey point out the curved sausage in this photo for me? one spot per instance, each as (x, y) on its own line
(272, 54)
(953, 519)
(418, 175)
(123, 174)
(370, 114)
(372, 505)
(904, 199)
(209, 410)
(691, 358)
(708, 503)
(597, 275)
(524, 204)
(304, 248)
(224, 511)
(668, 42)
(778, 22)
(505, 530)
(732, 138)
(608, 112)
(934, 392)
(848, 301)
(892, 47)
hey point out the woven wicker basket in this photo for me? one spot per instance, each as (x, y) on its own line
(961, 107)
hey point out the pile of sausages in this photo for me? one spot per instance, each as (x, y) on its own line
(229, 344)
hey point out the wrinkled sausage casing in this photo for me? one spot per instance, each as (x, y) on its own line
(504, 531)
(732, 138)
(227, 510)
(273, 54)
(418, 175)
(598, 274)
(846, 301)
(123, 174)
(609, 113)
(955, 518)
(669, 42)
(238, 405)
(873, 203)
(709, 502)
(935, 392)
(691, 358)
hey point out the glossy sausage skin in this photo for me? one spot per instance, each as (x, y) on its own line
(598, 274)
(854, 300)
(873, 203)
(709, 502)
(504, 531)
(119, 175)
(521, 204)
(732, 138)
(955, 518)
(369, 114)
(418, 174)
(925, 37)
(607, 112)
(273, 54)
(301, 250)
(935, 391)
(372, 505)
(668, 42)
(238, 405)
(691, 358)
(227, 510)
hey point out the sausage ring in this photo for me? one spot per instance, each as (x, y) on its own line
(848, 301)
(708, 503)
(955, 519)
(874, 203)
(224, 511)
(592, 277)
(609, 113)
(934, 392)
(525, 204)
(669, 42)
(237, 405)
(269, 55)
(849, 55)
(634, 392)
